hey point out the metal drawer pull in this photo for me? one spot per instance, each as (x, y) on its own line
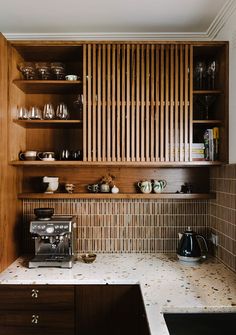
(34, 293)
(35, 319)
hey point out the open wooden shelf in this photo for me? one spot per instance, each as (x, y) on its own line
(49, 123)
(208, 91)
(48, 86)
(114, 164)
(116, 196)
(207, 121)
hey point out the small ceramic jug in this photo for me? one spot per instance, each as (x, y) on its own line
(158, 185)
(145, 186)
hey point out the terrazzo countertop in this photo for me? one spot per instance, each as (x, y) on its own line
(166, 284)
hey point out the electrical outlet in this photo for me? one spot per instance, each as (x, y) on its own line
(214, 239)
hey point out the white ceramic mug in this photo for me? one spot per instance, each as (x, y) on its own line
(29, 155)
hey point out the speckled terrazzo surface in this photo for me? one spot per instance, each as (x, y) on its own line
(166, 284)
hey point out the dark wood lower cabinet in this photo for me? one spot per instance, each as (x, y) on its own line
(37, 322)
(110, 309)
(72, 310)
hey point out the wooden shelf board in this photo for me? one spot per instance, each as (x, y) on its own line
(208, 91)
(115, 164)
(48, 86)
(207, 121)
(49, 123)
(116, 196)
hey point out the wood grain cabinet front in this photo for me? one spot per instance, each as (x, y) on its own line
(46, 297)
(29, 322)
(33, 309)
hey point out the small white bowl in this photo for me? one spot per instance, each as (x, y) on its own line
(71, 77)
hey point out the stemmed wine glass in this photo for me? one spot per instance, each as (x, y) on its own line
(58, 69)
(78, 103)
(211, 74)
(206, 102)
(27, 69)
(200, 74)
(43, 70)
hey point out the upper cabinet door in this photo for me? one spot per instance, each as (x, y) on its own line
(137, 102)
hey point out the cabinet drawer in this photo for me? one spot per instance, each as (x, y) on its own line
(46, 297)
(36, 322)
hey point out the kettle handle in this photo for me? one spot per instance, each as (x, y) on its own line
(204, 240)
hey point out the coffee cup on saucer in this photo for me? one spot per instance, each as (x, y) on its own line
(29, 155)
(46, 156)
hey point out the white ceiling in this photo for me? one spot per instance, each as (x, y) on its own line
(104, 17)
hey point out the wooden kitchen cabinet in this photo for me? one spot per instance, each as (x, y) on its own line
(110, 309)
(140, 109)
(139, 101)
(33, 309)
(72, 310)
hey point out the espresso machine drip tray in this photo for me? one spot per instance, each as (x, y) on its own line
(61, 261)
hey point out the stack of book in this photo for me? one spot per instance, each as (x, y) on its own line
(211, 143)
(198, 151)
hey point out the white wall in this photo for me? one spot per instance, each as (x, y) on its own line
(228, 33)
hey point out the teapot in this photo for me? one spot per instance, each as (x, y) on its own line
(145, 186)
(158, 185)
(189, 249)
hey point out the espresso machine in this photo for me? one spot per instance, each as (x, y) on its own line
(54, 241)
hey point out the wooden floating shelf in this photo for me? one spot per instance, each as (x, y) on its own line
(49, 123)
(114, 164)
(48, 86)
(116, 196)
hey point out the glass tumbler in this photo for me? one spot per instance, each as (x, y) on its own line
(35, 113)
(22, 113)
(48, 112)
(62, 112)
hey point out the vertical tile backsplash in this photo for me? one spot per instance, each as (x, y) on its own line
(127, 225)
(222, 213)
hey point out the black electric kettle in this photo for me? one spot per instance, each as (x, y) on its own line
(192, 246)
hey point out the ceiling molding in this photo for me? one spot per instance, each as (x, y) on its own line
(107, 36)
(221, 19)
(215, 27)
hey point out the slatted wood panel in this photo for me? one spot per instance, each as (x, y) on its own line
(137, 102)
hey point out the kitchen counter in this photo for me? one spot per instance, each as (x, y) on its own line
(166, 284)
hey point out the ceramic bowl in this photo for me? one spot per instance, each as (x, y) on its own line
(71, 77)
(88, 258)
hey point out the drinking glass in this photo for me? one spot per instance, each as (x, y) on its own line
(48, 112)
(62, 112)
(43, 70)
(78, 103)
(205, 101)
(212, 69)
(35, 113)
(27, 69)
(200, 74)
(58, 69)
(22, 113)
